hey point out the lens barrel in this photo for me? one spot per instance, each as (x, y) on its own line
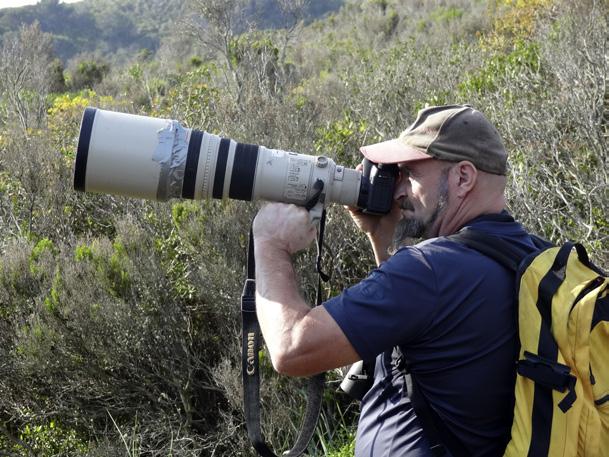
(158, 159)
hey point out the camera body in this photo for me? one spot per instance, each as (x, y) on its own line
(377, 187)
(158, 159)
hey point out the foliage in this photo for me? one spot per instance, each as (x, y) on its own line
(46, 440)
(119, 329)
(192, 97)
(347, 450)
(340, 138)
(499, 67)
(87, 74)
(516, 20)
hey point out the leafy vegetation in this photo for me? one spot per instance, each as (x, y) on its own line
(119, 322)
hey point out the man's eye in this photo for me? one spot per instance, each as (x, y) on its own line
(404, 172)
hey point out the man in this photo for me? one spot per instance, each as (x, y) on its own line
(449, 309)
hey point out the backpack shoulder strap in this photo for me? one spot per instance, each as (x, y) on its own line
(442, 441)
(503, 252)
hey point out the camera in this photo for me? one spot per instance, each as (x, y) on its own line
(159, 159)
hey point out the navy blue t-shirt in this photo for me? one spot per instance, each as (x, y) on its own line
(452, 312)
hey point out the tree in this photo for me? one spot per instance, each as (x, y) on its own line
(26, 74)
(248, 57)
(216, 33)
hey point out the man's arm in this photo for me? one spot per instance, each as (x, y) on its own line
(301, 340)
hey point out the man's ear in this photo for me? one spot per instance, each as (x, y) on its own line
(465, 176)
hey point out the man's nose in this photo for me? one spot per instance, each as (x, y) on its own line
(401, 189)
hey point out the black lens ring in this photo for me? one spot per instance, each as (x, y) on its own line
(244, 172)
(220, 174)
(82, 151)
(192, 163)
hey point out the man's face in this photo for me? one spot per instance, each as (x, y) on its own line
(422, 194)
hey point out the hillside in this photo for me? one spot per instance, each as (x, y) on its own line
(118, 27)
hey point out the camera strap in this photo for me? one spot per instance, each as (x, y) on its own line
(251, 341)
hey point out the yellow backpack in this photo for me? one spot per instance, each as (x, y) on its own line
(562, 386)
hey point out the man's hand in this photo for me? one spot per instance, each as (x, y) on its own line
(284, 226)
(376, 227)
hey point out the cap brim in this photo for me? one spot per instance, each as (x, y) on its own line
(392, 151)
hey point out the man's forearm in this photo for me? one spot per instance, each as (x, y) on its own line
(380, 247)
(301, 340)
(280, 307)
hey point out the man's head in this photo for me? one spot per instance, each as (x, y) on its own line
(453, 166)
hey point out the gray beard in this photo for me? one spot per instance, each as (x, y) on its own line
(408, 231)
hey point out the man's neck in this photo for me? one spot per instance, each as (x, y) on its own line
(467, 211)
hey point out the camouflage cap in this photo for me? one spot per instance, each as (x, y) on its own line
(449, 132)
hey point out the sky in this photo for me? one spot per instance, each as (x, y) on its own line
(14, 3)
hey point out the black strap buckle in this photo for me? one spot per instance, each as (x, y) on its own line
(550, 374)
(248, 297)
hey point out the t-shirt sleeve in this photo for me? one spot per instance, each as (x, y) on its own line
(393, 305)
